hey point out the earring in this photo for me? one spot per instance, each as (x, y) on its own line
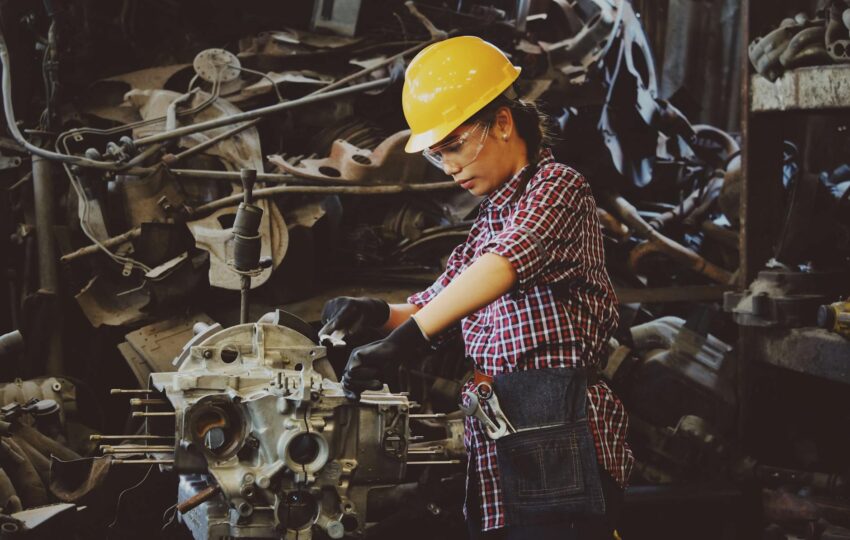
(504, 136)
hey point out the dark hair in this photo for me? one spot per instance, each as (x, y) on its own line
(534, 126)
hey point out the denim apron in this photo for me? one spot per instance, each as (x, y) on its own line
(548, 468)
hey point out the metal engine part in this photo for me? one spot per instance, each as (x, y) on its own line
(796, 42)
(674, 371)
(265, 435)
(783, 298)
(60, 391)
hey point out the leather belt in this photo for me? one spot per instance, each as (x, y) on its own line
(482, 377)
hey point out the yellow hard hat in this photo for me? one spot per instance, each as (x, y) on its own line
(447, 83)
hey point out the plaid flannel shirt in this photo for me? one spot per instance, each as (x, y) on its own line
(550, 233)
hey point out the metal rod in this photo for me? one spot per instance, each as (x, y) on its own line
(232, 176)
(140, 414)
(96, 438)
(320, 190)
(115, 391)
(263, 111)
(431, 416)
(171, 159)
(208, 208)
(143, 461)
(243, 299)
(138, 402)
(107, 449)
(110, 242)
(198, 499)
(443, 462)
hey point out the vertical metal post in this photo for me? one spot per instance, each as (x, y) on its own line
(48, 274)
(43, 193)
(243, 306)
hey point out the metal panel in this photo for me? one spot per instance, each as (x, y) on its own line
(811, 88)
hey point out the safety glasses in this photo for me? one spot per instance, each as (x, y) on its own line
(459, 151)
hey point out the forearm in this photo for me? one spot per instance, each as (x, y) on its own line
(484, 281)
(399, 314)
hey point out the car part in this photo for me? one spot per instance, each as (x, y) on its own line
(280, 449)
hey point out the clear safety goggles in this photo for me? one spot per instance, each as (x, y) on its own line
(460, 151)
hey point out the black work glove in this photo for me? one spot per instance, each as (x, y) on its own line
(344, 317)
(366, 363)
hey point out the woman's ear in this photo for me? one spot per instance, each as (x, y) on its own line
(503, 123)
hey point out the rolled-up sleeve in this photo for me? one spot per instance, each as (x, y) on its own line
(552, 214)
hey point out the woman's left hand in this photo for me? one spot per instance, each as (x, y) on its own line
(366, 363)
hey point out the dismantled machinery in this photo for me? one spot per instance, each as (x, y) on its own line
(178, 204)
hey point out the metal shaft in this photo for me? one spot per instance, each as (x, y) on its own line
(243, 304)
(444, 462)
(198, 499)
(143, 462)
(130, 449)
(264, 111)
(138, 402)
(96, 438)
(138, 414)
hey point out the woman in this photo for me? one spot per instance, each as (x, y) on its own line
(533, 299)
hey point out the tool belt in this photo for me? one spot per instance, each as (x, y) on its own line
(544, 448)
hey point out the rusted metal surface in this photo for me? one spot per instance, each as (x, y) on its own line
(810, 88)
(388, 163)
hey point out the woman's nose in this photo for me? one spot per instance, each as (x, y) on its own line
(450, 168)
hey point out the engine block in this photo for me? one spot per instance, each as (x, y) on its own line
(266, 437)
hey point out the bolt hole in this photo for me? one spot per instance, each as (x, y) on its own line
(298, 367)
(228, 356)
(330, 171)
(361, 159)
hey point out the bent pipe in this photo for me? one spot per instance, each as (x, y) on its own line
(658, 243)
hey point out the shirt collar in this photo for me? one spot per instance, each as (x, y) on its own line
(507, 191)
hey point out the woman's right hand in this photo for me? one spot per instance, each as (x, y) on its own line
(345, 317)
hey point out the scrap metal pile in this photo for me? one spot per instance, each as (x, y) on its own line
(131, 131)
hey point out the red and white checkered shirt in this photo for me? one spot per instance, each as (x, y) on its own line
(550, 233)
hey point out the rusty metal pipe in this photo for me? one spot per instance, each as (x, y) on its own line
(110, 242)
(612, 224)
(658, 243)
(198, 499)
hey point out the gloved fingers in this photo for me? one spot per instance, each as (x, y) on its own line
(361, 373)
(354, 387)
(333, 307)
(342, 317)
